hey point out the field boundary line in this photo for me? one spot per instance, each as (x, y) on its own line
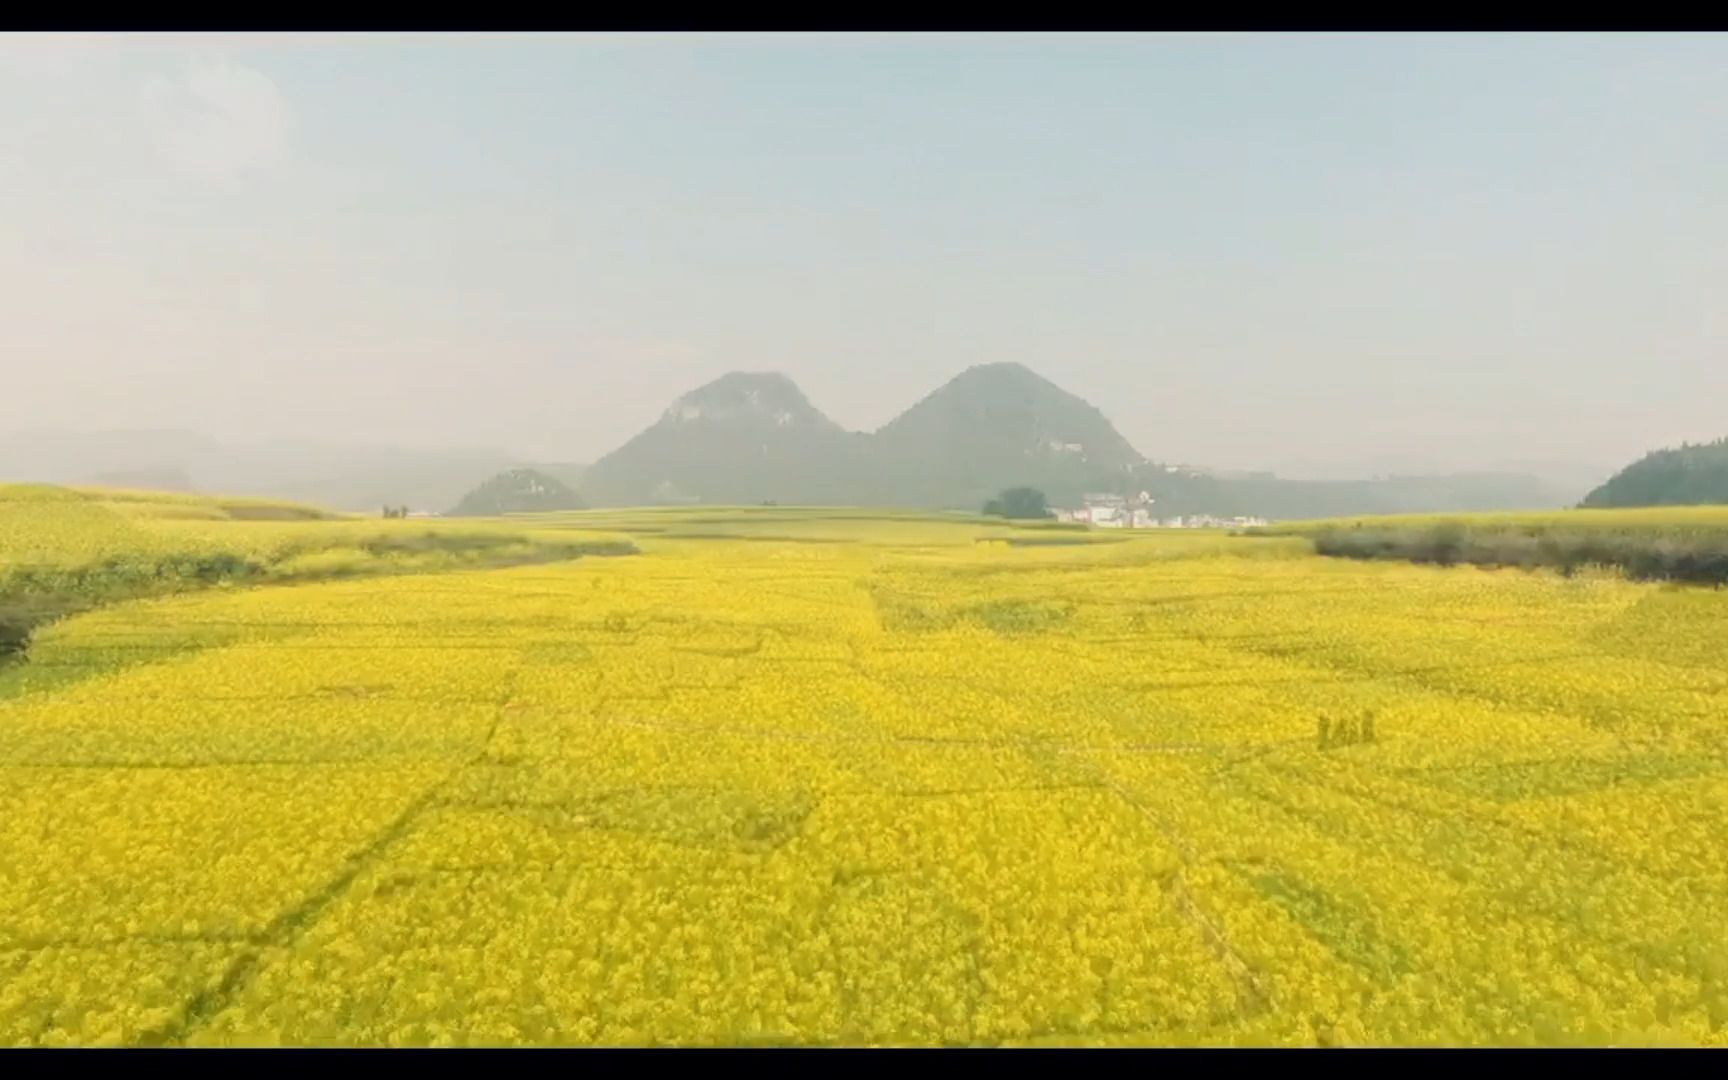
(291, 925)
(1182, 898)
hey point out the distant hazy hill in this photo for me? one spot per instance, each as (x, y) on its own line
(997, 425)
(63, 457)
(160, 479)
(361, 478)
(748, 438)
(1565, 481)
(1689, 475)
(1187, 492)
(743, 438)
(517, 491)
(337, 475)
(566, 473)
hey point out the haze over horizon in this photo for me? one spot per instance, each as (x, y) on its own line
(1297, 252)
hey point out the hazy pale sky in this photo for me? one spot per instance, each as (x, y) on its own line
(1247, 250)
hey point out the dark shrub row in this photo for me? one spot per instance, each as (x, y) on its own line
(1700, 559)
(120, 577)
(15, 627)
(32, 596)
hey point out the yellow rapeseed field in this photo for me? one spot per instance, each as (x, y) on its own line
(804, 777)
(54, 530)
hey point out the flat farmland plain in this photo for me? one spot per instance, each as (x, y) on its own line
(839, 778)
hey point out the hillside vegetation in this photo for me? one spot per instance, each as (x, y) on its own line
(1688, 476)
(518, 491)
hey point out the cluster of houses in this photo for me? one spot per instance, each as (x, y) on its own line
(1135, 512)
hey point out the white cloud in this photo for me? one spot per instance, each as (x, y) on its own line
(217, 120)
